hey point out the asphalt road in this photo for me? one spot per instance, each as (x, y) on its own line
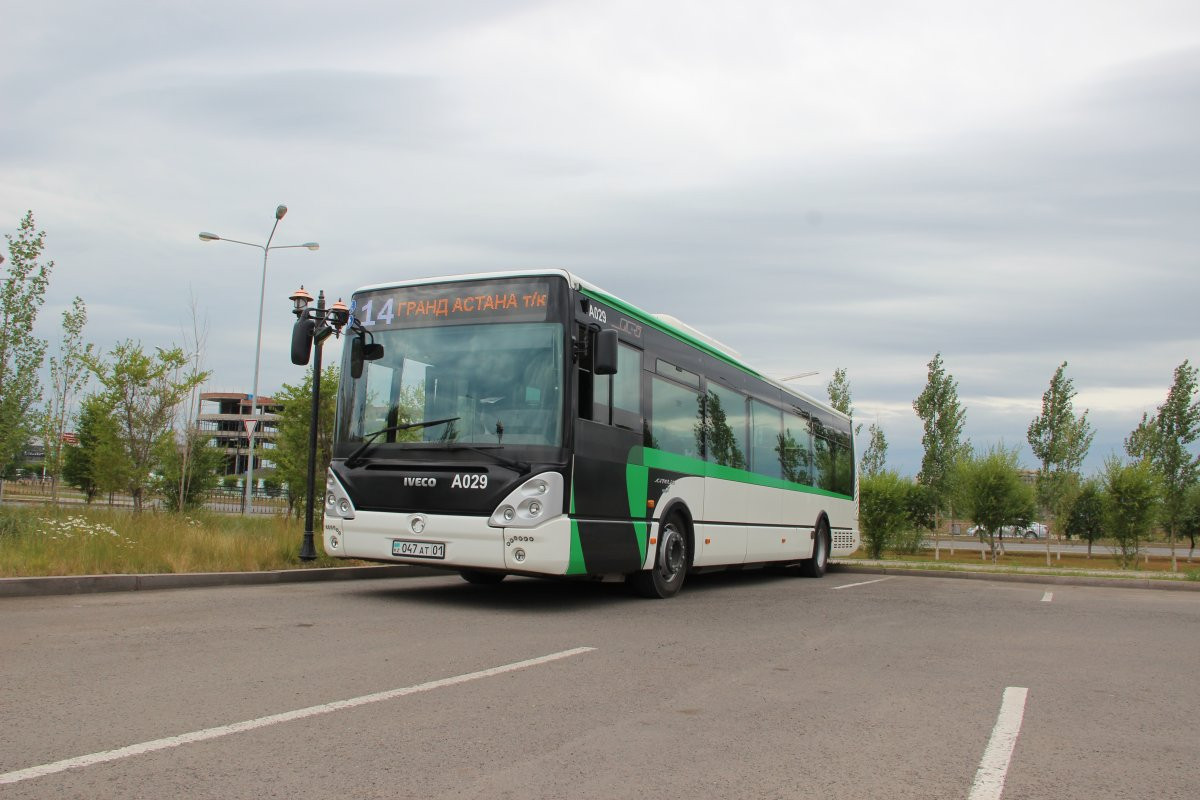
(746, 685)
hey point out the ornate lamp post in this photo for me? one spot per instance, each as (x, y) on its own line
(205, 236)
(313, 327)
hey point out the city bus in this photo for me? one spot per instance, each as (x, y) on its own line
(530, 423)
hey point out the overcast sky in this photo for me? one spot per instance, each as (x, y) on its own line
(859, 185)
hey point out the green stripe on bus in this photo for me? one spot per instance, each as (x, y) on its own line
(671, 462)
(636, 480)
(575, 563)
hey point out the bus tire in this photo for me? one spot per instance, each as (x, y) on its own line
(481, 578)
(815, 567)
(671, 559)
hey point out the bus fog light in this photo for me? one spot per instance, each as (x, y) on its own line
(333, 542)
(518, 555)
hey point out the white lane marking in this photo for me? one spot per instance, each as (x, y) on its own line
(1047, 597)
(863, 583)
(993, 769)
(275, 719)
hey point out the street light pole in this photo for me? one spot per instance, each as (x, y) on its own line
(205, 236)
(313, 327)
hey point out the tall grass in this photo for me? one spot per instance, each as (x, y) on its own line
(47, 540)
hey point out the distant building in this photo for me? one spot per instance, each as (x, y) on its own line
(224, 416)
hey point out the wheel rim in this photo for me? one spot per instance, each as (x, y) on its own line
(672, 553)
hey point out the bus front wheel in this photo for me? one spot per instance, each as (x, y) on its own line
(665, 579)
(815, 567)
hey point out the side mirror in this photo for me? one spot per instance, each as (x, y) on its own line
(604, 359)
(361, 352)
(302, 339)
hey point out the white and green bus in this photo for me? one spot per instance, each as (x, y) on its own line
(529, 423)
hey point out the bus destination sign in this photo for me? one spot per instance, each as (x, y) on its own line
(453, 304)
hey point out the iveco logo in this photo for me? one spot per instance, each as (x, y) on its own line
(430, 482)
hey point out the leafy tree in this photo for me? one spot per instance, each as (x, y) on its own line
(1190, 526)
(144, 392)
(1060, 440)
(189, 467)
(68, 377)
(882, 510)
(1131, 499)
(1085, 517)
(992, 493)
(291, 445)
(942, 418)
(875, 456)
(1163, 441)
(99, 464)
(22, 293)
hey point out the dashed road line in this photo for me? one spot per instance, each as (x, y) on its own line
(863, 583)
(1047, 597)
(993, 769)
(275, 719)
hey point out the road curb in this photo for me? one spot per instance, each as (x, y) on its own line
(90, 584)
(1016, 577)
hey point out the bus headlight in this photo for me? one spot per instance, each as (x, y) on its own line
(337, 501)
(533, 502)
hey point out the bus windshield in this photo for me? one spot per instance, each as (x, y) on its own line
(493, 384)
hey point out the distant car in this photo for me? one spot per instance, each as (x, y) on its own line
(1034, 530)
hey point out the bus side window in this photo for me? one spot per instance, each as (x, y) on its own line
(627, 388)
(766, 431)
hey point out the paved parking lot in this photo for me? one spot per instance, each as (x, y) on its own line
(746, 685)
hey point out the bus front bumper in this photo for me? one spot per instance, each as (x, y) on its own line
(451, 542)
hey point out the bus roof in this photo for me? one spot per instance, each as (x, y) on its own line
(666, 323)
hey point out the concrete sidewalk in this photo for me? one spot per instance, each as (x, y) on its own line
(87, 584)
(1042, 575)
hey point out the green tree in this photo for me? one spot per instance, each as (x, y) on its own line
(99, 464)
(1163, 441)
(1085, 517)
(1060, 440)
(68, 377)
(882, 510)
(1131, 500)
(21, 353)
(144, 392)
(992, 493)
(875, 456)
(942, 417)
(291, 445)
(1191, 520)
(189, 467)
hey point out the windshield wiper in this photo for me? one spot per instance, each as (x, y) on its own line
(353, 459)
(519, 466)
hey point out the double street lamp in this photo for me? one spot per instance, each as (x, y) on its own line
(205, 236)
(313, 327)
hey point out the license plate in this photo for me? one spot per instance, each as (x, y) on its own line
(411, 548)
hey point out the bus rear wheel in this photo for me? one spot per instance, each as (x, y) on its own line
(815, 567)
(481, 578)
(665, 579)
